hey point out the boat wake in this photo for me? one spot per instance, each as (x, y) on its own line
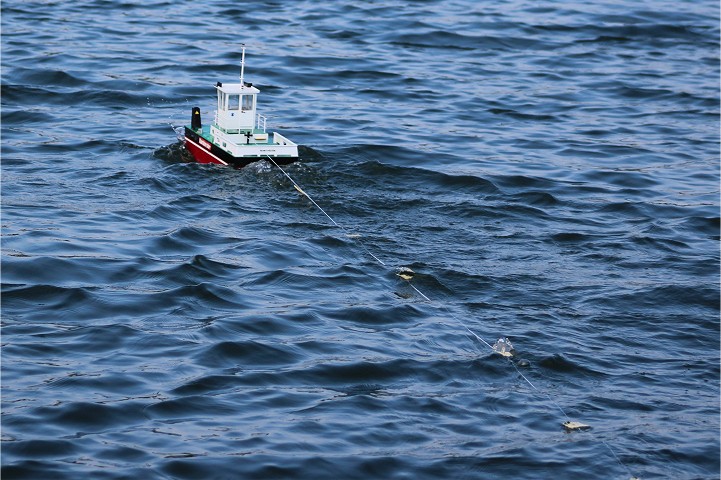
(174, 153)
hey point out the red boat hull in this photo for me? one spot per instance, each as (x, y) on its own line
(201, 154)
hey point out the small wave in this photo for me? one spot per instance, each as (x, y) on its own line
(187, 239)
(248, 353)
(709, 226)
(420, 178)
(522, 115)
(562, 364)
(188, 407)
(664, 297)
(445, 40)
(21, 297)
(542, 199)
(648, 34)
(92, 417)
(37, 449)
(40, 76)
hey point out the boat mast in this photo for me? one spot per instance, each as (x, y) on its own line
(242, 65)
(240, 96)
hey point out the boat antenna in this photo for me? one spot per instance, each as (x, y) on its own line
(242, 64)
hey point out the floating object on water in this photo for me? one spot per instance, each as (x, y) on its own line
(405, 273)
(575, 426)
(503, 347)
(300, 190)
(238, 134)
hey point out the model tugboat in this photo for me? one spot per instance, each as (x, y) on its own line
(237, 136)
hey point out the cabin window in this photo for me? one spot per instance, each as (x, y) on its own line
(221, 100)
(233, 102)
(247, 102)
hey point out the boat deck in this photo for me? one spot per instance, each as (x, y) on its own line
(241, 139)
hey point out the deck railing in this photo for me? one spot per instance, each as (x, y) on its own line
(260, 122)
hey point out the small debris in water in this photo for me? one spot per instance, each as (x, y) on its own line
(575, 426)
(523, 363)
(405, 273)
(503, 347)
(300, 190)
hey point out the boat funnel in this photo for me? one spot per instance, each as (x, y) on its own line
(195, 123)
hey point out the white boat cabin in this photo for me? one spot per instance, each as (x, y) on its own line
(236, 107)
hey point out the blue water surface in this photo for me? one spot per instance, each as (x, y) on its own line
(549, 171)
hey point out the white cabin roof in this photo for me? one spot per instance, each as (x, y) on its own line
(236, 88)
